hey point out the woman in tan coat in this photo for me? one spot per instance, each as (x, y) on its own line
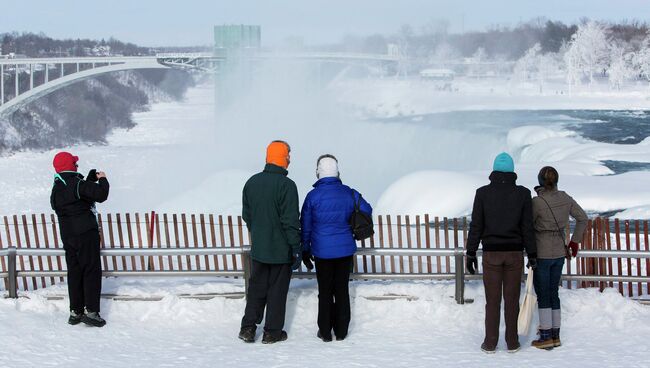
(551, 211)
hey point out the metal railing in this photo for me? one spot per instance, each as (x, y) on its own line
(458, 274)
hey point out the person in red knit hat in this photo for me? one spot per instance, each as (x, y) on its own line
(73, 199)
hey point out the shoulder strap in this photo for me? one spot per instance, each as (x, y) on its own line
(356, 201)
(555, 219)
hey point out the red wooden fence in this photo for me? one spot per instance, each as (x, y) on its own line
(208, 230)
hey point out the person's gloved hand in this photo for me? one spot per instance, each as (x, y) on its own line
(471, 262)
(532, 261)
(92, 176)
(297, 258)
(307, 260)
(574, 248)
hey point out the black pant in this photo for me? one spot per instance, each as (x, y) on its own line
(84, 271)
(333, 276)
(268, 287)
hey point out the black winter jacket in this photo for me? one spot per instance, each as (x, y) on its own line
(502, 217)
(73, 199)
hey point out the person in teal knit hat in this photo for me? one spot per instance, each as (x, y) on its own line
(502, 222)
(504, 163)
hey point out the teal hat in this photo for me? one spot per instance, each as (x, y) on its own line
(503, 162)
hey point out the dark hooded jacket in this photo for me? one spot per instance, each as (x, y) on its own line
(502, 217)
(73, 199)
(270, 209)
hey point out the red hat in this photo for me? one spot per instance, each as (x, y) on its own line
(65, 161)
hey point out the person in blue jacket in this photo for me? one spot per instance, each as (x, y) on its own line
(327, 238)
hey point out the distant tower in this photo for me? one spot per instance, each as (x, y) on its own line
(237, 44)
(237, 37)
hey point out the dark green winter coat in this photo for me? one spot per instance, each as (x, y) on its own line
(270, 209)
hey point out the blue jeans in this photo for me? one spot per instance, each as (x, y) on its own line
(546, 279)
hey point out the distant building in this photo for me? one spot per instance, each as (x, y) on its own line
(440, 78)
(101, 50)
(437, 74)
(392, 49)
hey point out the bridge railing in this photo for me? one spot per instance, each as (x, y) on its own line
(614, 252)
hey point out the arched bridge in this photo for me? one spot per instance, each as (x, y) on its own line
(47, 75)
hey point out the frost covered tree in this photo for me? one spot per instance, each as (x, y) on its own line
(642, 59)
(572, 66)
(527, 65)
(620, 67)
(546, 65)
(479, 57)
(443, 55)
(403, 44)
(588, 51)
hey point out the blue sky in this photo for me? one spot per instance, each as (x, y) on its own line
(189, 22)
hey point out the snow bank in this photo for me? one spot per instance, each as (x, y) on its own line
(446, 193)
(634, 213)
(599, 329)
(441, 193)
(390, 97)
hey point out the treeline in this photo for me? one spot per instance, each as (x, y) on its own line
(498, 42)
(40, 45)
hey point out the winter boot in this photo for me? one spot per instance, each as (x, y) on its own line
(555, 333)
(247, 334)
(75, 318)
(545, 340)
(325, 339)
(272, 338)
(514, 349)
(488, 350)
(93, 319)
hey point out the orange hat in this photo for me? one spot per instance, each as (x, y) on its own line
(277, 153)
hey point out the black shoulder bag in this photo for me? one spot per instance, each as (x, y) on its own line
(567, 251)
(360, 222)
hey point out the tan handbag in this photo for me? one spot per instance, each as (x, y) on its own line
(528, 306)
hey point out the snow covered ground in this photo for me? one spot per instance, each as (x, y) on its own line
(390, 97)
(599, 329)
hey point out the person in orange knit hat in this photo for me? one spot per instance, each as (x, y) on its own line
(277, 153)
(270, 209)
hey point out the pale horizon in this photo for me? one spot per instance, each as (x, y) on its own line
(148, 23)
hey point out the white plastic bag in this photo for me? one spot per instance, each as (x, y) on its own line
(528, 306)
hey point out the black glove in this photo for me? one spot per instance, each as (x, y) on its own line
(532, 261)
(92, 176)
(471, 262)
(297, 258)
(307, 260)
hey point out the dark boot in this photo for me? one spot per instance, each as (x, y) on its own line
(545, 340)
(93, 319)
(247, 334)
(514, 349)
(555, 334)
(324, 338)
(272, 338)
(75, 318)
(488, 350)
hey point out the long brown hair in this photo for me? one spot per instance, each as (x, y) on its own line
(548, 177)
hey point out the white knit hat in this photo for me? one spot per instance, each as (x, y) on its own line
(327, 167)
